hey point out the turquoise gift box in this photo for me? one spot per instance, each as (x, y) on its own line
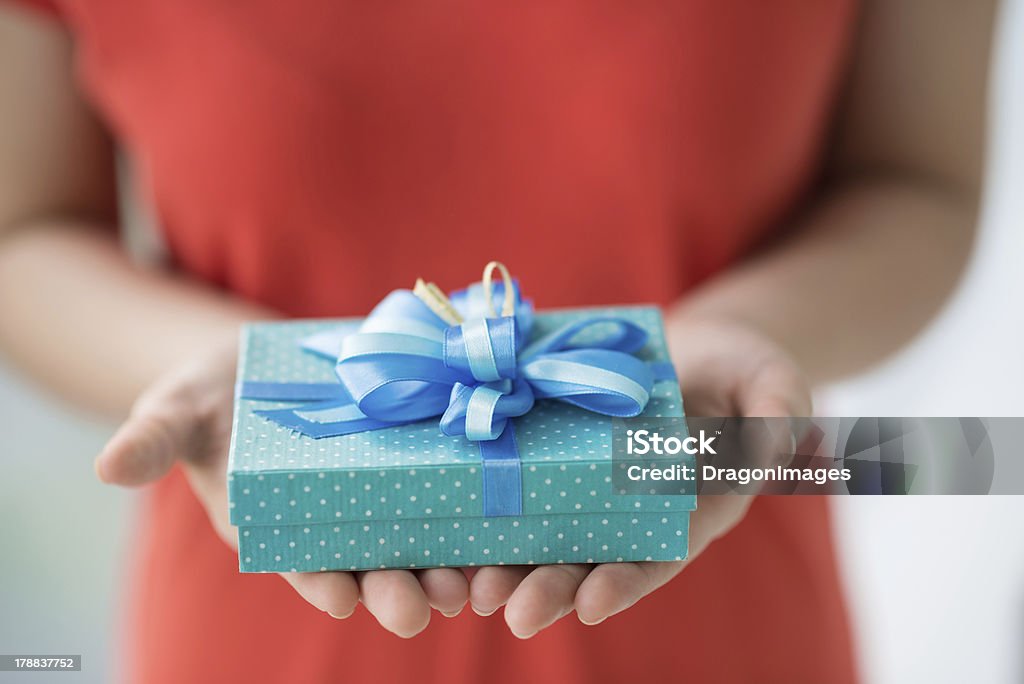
(408, 496)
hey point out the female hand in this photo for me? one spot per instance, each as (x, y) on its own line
(725, 368)
(185, 418)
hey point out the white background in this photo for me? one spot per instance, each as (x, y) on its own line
(936, 584)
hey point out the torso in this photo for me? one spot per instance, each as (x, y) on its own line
(313, 156)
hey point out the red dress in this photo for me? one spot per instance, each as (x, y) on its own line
(313, 155)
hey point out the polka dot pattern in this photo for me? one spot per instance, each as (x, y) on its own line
(440, 542)
(310, 504)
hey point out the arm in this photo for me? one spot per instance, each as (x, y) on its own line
(878, 252)
(81, 317)
(98, 345)
(872, 259)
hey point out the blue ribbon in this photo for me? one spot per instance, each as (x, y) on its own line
(406, 364)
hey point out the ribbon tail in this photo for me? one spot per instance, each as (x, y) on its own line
(325, 419)
(502, 475)
(662, 370)
(326, 344)
(292, 391)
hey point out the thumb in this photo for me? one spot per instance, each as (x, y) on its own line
(776, 390)
(142, 450)
(779, 395)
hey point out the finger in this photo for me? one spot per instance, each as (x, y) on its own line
(776, 390)
(613, 587)
(396, 599)
(779, 393)
(212, 494)
(492, 586)
(446, 589)
(335, 593)
(141, 451)
(714, 517)
(547, 594)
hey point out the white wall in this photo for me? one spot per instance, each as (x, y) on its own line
(936, 584)
(62, 535)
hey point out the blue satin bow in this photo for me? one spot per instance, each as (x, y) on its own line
(406, 364)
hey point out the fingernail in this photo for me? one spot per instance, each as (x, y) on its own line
(783, 457)
(522, 636)
(342, 617)
(451, 615)
(591, 624)
(483, 614)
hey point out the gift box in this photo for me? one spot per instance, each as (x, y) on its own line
(326, 475)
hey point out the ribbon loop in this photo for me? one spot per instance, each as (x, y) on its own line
(599, 332)
(599, 380)
(475, 302)
(481, 412)
(482, 348)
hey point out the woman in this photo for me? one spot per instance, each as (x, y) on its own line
(795, 183)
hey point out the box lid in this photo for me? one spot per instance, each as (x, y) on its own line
(414, 471)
